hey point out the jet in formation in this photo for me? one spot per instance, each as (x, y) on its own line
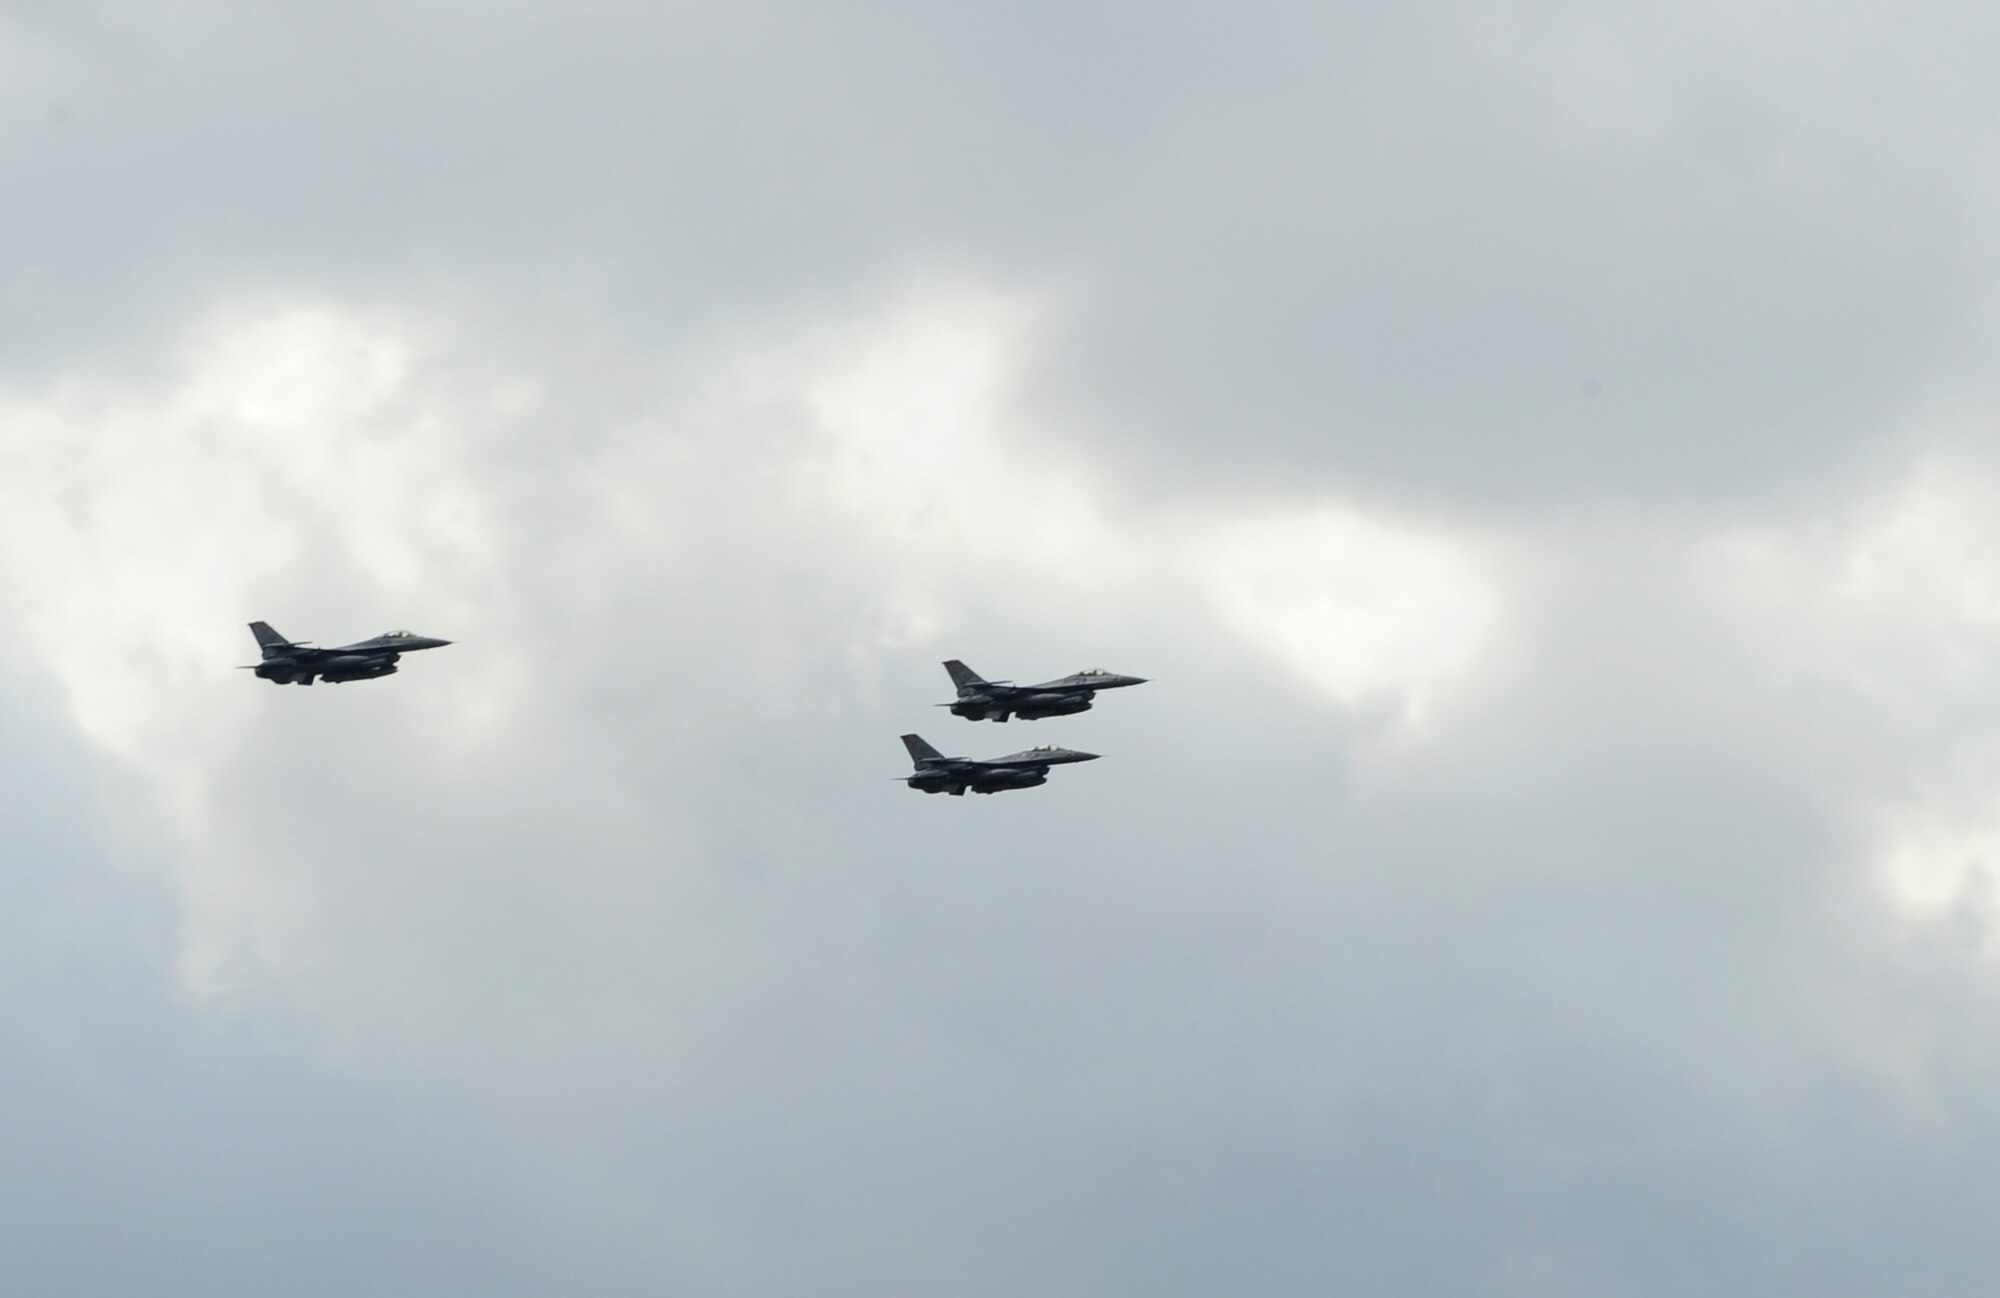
(296, 662)
(984, 700)
(937, 773)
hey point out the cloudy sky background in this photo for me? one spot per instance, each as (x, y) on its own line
(1545, 458)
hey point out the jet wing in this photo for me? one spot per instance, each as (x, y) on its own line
(1015, 761)
(1038, 759)
(1005, 692)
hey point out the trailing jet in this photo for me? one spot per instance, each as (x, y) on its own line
(982, 700)
(937, 773)
(295, 662)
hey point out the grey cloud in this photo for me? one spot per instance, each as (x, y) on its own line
(1584, 1002)
(1445, 254)
(1456, 278)
(658, 980)
(148, 1145)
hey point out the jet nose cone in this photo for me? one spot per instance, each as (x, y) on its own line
(1077, 755)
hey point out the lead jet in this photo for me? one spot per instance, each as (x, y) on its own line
(937, 773)
(984, 700)
(296, 662)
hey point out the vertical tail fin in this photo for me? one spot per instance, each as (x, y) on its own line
(962, 676)
(920, 752)
(272, 642)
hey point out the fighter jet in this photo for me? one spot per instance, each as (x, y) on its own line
(937, 773)
(296, 662)
(982, 700)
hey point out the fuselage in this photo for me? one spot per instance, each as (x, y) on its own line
(1028, 707)
(1024, 770)
(981, 700)
(296, 663)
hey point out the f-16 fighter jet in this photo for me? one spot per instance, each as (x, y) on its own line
(937, 773)
(980, 700)
(290, 662)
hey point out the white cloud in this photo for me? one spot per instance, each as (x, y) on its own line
(143, 521)
(286, 461)
(1887, 611)
(1364, 610)
(329, 468)
(923, 448)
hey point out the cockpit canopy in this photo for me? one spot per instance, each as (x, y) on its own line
(1093, 671)
(1046, 748)
(399, 635)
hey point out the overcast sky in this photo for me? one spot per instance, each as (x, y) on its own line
(1543, 453)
